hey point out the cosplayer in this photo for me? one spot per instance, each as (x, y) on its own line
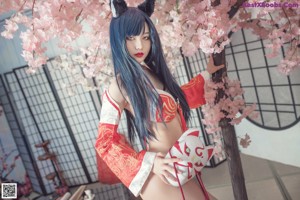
(156, 109)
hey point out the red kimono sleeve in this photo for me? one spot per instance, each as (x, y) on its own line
(131, 167)
(194, 90)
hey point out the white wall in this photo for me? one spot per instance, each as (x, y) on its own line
(281, 146)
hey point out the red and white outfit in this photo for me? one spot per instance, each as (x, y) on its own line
(130, 167)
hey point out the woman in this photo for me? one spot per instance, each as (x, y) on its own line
(156, 108)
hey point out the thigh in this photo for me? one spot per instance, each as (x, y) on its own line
(154, 188)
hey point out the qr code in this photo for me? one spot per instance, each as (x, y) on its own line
(8, 190)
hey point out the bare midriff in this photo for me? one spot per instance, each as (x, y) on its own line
(166, 135)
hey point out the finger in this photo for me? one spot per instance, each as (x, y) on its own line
(211, 59)
(220, 66)
(163, 178)
(179, 171)
(216, 68)
(171, 160)
(159, 154)
(169, 168)
(169, 176)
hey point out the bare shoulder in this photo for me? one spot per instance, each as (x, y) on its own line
(116, 93)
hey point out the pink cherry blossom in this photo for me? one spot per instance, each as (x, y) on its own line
(245, 142)
(186, 25)
(177, 21)
(189, 48)
(228, 107)
(10, 28)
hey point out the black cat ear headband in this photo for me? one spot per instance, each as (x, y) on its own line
(118, 7)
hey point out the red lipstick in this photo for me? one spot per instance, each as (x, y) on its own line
(139, 55)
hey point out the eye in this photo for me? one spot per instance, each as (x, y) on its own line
(187, 150)
(130, 38)
(146, 37)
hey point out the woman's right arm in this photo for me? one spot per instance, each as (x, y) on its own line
(130, 167)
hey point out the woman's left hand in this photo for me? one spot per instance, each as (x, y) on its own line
(211, 67)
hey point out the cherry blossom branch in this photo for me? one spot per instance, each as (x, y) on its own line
(32, 8)
(22, 6)
(175, 21)
(287, 18)
(234, 9)
(60, 7)
(77, 16)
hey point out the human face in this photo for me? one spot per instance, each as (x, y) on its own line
(139, 46)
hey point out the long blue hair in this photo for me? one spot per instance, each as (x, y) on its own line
(131, 77)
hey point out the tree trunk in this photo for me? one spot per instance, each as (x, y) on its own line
(233, 160)
(230, 140)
